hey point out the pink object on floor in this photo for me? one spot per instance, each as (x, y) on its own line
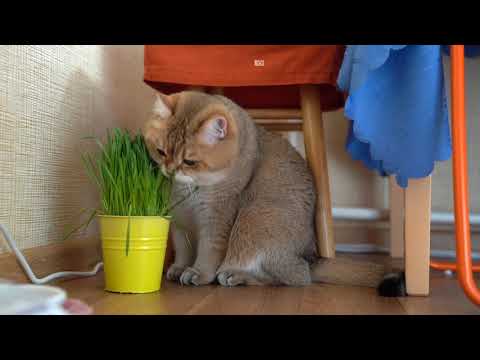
(77, 307)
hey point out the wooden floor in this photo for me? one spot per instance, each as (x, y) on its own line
(446, 298)
(446, 295)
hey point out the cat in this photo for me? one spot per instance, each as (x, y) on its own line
(248, 217)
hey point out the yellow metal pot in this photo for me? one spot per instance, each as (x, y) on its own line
(140, 270)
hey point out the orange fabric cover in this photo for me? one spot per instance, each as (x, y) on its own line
(171, 68)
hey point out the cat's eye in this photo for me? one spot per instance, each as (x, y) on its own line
(161, 152)
(189, 162)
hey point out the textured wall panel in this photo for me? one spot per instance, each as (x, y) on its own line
(50, 97)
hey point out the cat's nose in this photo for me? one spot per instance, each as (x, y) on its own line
(170, 168)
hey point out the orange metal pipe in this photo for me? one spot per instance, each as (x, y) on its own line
(458, 102)
(460, 177)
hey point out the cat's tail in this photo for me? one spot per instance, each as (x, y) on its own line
(342, 271)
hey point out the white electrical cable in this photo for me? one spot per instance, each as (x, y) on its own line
(23, 262)
(373, 248)
(372, 214)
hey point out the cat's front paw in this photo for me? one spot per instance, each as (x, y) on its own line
(230, 278)
(174, 272)
(193, 276)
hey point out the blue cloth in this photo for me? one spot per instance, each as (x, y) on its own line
(397, 107)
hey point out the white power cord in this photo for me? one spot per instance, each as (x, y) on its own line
(23, 262)
(374, 248)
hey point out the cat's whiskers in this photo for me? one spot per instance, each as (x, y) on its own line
(192, 192)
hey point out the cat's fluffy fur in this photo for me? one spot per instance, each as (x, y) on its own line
(252, 219)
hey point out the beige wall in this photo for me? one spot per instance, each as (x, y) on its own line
(51, 96)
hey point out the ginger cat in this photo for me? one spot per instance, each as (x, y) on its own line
(251, 222)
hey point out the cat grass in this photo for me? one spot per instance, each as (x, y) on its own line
(129, 182)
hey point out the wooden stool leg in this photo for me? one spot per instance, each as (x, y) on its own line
(397, 219)
(417, 236)
(315, 149)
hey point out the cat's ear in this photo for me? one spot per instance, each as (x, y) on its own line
(164, 104)
(213, 130)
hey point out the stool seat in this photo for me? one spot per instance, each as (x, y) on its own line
(254, 76)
